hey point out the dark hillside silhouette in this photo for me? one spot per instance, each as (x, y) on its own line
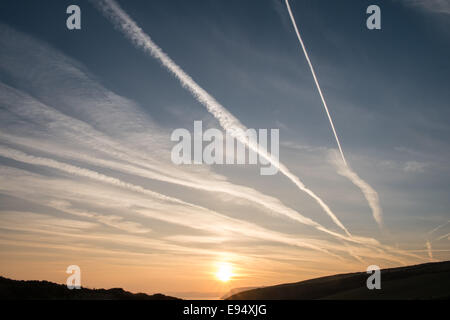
(45, 290)
(423, 281)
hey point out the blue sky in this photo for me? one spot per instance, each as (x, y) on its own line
(113, 107)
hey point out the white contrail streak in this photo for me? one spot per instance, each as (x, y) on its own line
(444, 236)
(315, 79)
(131, 30)
(369, 193)
(428, 242)
(429, 250)
(28, 107)
(234, 224)
(438, 227)
(230, 224)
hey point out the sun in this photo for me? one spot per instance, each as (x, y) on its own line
(224, 272)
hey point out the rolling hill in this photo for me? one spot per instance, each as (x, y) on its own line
(45, 290)
(424, 281)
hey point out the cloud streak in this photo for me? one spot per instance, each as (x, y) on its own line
(438, 227)
(316, 81)
(369, 193)
(227, 224)
(140, 39)
(104, 173)
(436, 6)
(27, 107)
(429, 249)
(51, 131)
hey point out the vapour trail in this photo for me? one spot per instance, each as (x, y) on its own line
(231, 224)
(438, 227)
(369, 193)
(429, 242)
(28, 107)
(444, 236)
(132, 31)
(315, 79)
(429, 250)
(234, 224)
(429, 233)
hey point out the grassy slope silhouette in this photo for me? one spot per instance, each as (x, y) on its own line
(45, 290)
(424, 281)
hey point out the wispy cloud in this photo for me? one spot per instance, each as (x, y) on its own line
(444, 236)
(438, 227)
(26, 107)
(96, 161)
(131, 30)
(344, 169)
(429, 250)
(436, 6)
(102, 142)
(414, 166)
(369, 193)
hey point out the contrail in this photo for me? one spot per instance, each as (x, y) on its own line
(234, 225)
(429, 233)
(429, 250)
(369, 193)
(131, 30)
(28, 107)
(444, 236)
(315, 79)
(428, 242)
(438, 227)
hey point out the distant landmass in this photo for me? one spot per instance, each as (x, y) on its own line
(45, 290)
(236, 291)
(424, 281)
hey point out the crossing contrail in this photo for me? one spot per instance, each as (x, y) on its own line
(429, 250)
(124, 23)
(233, 225)
(438, 227)
(315, 80)
(369, 193)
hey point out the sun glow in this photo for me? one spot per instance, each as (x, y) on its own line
(224, 272)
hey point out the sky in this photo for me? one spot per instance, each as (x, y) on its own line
(85, 152)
